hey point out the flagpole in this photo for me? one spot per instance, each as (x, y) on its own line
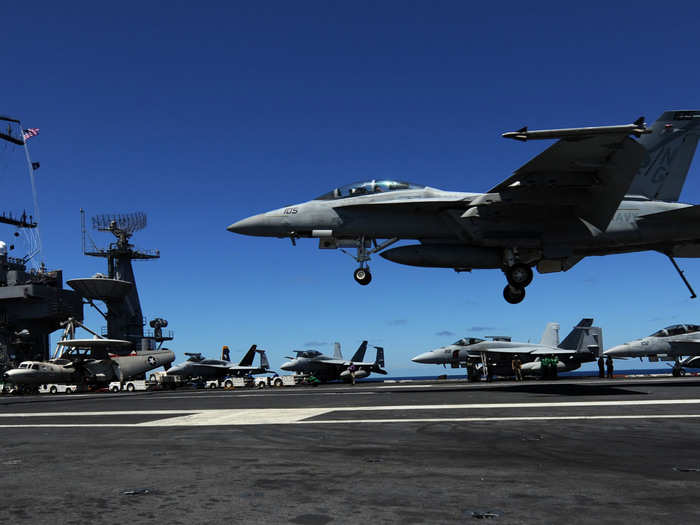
(34, 196)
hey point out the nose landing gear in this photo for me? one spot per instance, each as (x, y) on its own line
(365, 248)
(363, 276)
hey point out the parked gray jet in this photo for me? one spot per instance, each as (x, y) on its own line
(672, 343)
(495, 357)
(198, 366)
(596, 191)
(327, 368)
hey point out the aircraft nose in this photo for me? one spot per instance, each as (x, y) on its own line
(619, 350)
(425, 358)
(261, 225)
(287, 366)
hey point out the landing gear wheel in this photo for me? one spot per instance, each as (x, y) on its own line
(519, 275)
(678, 371)
(363, 276)
(513, 294)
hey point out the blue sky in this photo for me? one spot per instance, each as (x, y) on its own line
(204, 113)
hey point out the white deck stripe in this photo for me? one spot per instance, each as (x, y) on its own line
(558, 404)
(277, 421)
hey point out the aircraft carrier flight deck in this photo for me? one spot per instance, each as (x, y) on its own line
(572, 450)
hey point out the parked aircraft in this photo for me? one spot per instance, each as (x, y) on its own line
(89, 361)
(495, 357)
(198, 366)
(596, 191)
(327, 368)
(672, 343)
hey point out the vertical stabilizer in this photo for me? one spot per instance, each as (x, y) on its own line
(337, 354)
(248, 357)
(379, 361)
(360, 354)
(582, 336)
(550, 336)
(670, 149)
(264, 363)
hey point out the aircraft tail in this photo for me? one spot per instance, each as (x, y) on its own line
(337, 354)
(225, 353)
(670, 149)
(379, 361)
(550, 336)
(584, 338)
(248, 357)
(360, 354)
(264, 363)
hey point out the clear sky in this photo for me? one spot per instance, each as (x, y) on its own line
(203, 113)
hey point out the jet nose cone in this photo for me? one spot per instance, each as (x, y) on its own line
(256, 225)
(619, 350)
(287, 366)
(424, 358)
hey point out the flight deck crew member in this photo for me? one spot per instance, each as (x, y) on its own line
(517, 368)
(352, 368)
(609, 363)
(601, 367)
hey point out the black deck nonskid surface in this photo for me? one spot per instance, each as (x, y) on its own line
(612, 470)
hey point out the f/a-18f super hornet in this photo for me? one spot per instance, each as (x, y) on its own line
(495, 357)
(198, 366)
(596, 191)
(327, 368)
(672, 343)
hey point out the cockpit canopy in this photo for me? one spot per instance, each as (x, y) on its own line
(308, 353)
(467, 341)
(367, 188)
(676, 329)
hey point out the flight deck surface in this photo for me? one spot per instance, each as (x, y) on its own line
(576, 451)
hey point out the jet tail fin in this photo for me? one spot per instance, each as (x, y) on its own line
(248, 357)
(337, 354)
(264, 363)
(670, 149)
(584, 338)
(360, 354)
(379, 361)
(550, 336)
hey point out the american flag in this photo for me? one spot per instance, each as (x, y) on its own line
(29, 133)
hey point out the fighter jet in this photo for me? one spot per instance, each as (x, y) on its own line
(327, 368)
(495, 357)
(79, 364)
(596, 191)
(670, 344)
(198, 366)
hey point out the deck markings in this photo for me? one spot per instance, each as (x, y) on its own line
(285, 416)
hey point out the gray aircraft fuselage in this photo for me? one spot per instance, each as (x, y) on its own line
(214, 369)
(88, 370)
(328, 368)
(627, 232)
(674, 342)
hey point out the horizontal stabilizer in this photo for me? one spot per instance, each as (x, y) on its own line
(687, 213)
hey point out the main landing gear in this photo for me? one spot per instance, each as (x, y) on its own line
(678, 370)
(519, 276)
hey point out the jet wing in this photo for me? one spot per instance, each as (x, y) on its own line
(583, 177)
